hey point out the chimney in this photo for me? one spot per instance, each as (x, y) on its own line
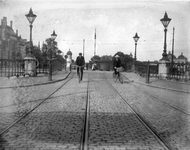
(4, 22)
(11, 24)
(17, 33)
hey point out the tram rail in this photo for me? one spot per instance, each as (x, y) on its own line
(156, 98)
(84, 139)
(36, 106)
(85, 128)
(83, 145)
(140, 118)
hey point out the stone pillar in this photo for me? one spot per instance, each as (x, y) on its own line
(163, 69)
(68, 64)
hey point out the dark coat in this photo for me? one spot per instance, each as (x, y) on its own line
(80, 61)
(117, 63)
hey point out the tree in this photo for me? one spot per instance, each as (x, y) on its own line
(44, 51)
(125, 59)
(121, 54)
(51, 46)
(106, 58)
(37, 53)
(95, 58)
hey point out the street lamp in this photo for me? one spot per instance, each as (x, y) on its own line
(136, 38)
(53, 37)
(30, 60)
(165, 21)
(31, 17)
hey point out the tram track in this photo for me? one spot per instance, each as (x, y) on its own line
(156, 98)
(35, 107)
(86, 114)
(83, 144)
(84, 139)
(140, 118)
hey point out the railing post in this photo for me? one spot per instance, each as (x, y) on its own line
(186, 71)
(50, 70)
(148, 73)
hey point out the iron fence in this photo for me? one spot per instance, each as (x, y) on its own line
(179, 71)
(142, 68)
(176, 71)
(9, 67)
(15, 67)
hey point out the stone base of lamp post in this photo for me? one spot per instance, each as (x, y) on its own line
(68, 64)
(30, 66)
(163, 69)
(134, 67)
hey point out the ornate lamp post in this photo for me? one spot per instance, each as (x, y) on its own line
(31, 17)
(53, 37)
(164, 61)
(30, 61)
(165, 21)
(136, 38)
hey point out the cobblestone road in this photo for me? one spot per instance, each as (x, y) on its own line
(160, 109)
(14, 102)
(112, 124)
(58, 122)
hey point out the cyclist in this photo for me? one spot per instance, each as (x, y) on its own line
(116, 64)
(80, 62)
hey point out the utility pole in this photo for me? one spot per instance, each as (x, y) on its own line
(83, 46)
(95, 43)
(173, 50)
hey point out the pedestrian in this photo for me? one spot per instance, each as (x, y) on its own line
(80, 62)
(116, 64)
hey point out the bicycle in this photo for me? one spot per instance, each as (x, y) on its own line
(79, 74)
(118, 75)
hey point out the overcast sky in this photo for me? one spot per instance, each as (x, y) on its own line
(116, 22)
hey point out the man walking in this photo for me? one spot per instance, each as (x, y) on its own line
(80, 62)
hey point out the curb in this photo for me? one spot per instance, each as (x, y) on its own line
(165, 88)
(155, 86)
(37, 84)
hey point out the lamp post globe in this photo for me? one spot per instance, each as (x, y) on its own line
(53, 35)
(136, 38)
(165, 21)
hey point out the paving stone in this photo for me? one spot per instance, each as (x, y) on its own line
(57, 123)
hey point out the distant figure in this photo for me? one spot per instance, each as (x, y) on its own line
(116, 64)
(80, 62)
(93, 66)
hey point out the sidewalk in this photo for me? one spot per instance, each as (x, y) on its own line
(159, 83)
(31, 81)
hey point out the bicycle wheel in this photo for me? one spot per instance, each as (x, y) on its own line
(114, 76)
(79, 76)
(121, 79)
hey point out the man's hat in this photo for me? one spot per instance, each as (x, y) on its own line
(116, 56)
(80, 53)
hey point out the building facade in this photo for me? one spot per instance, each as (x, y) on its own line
(12, 46)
